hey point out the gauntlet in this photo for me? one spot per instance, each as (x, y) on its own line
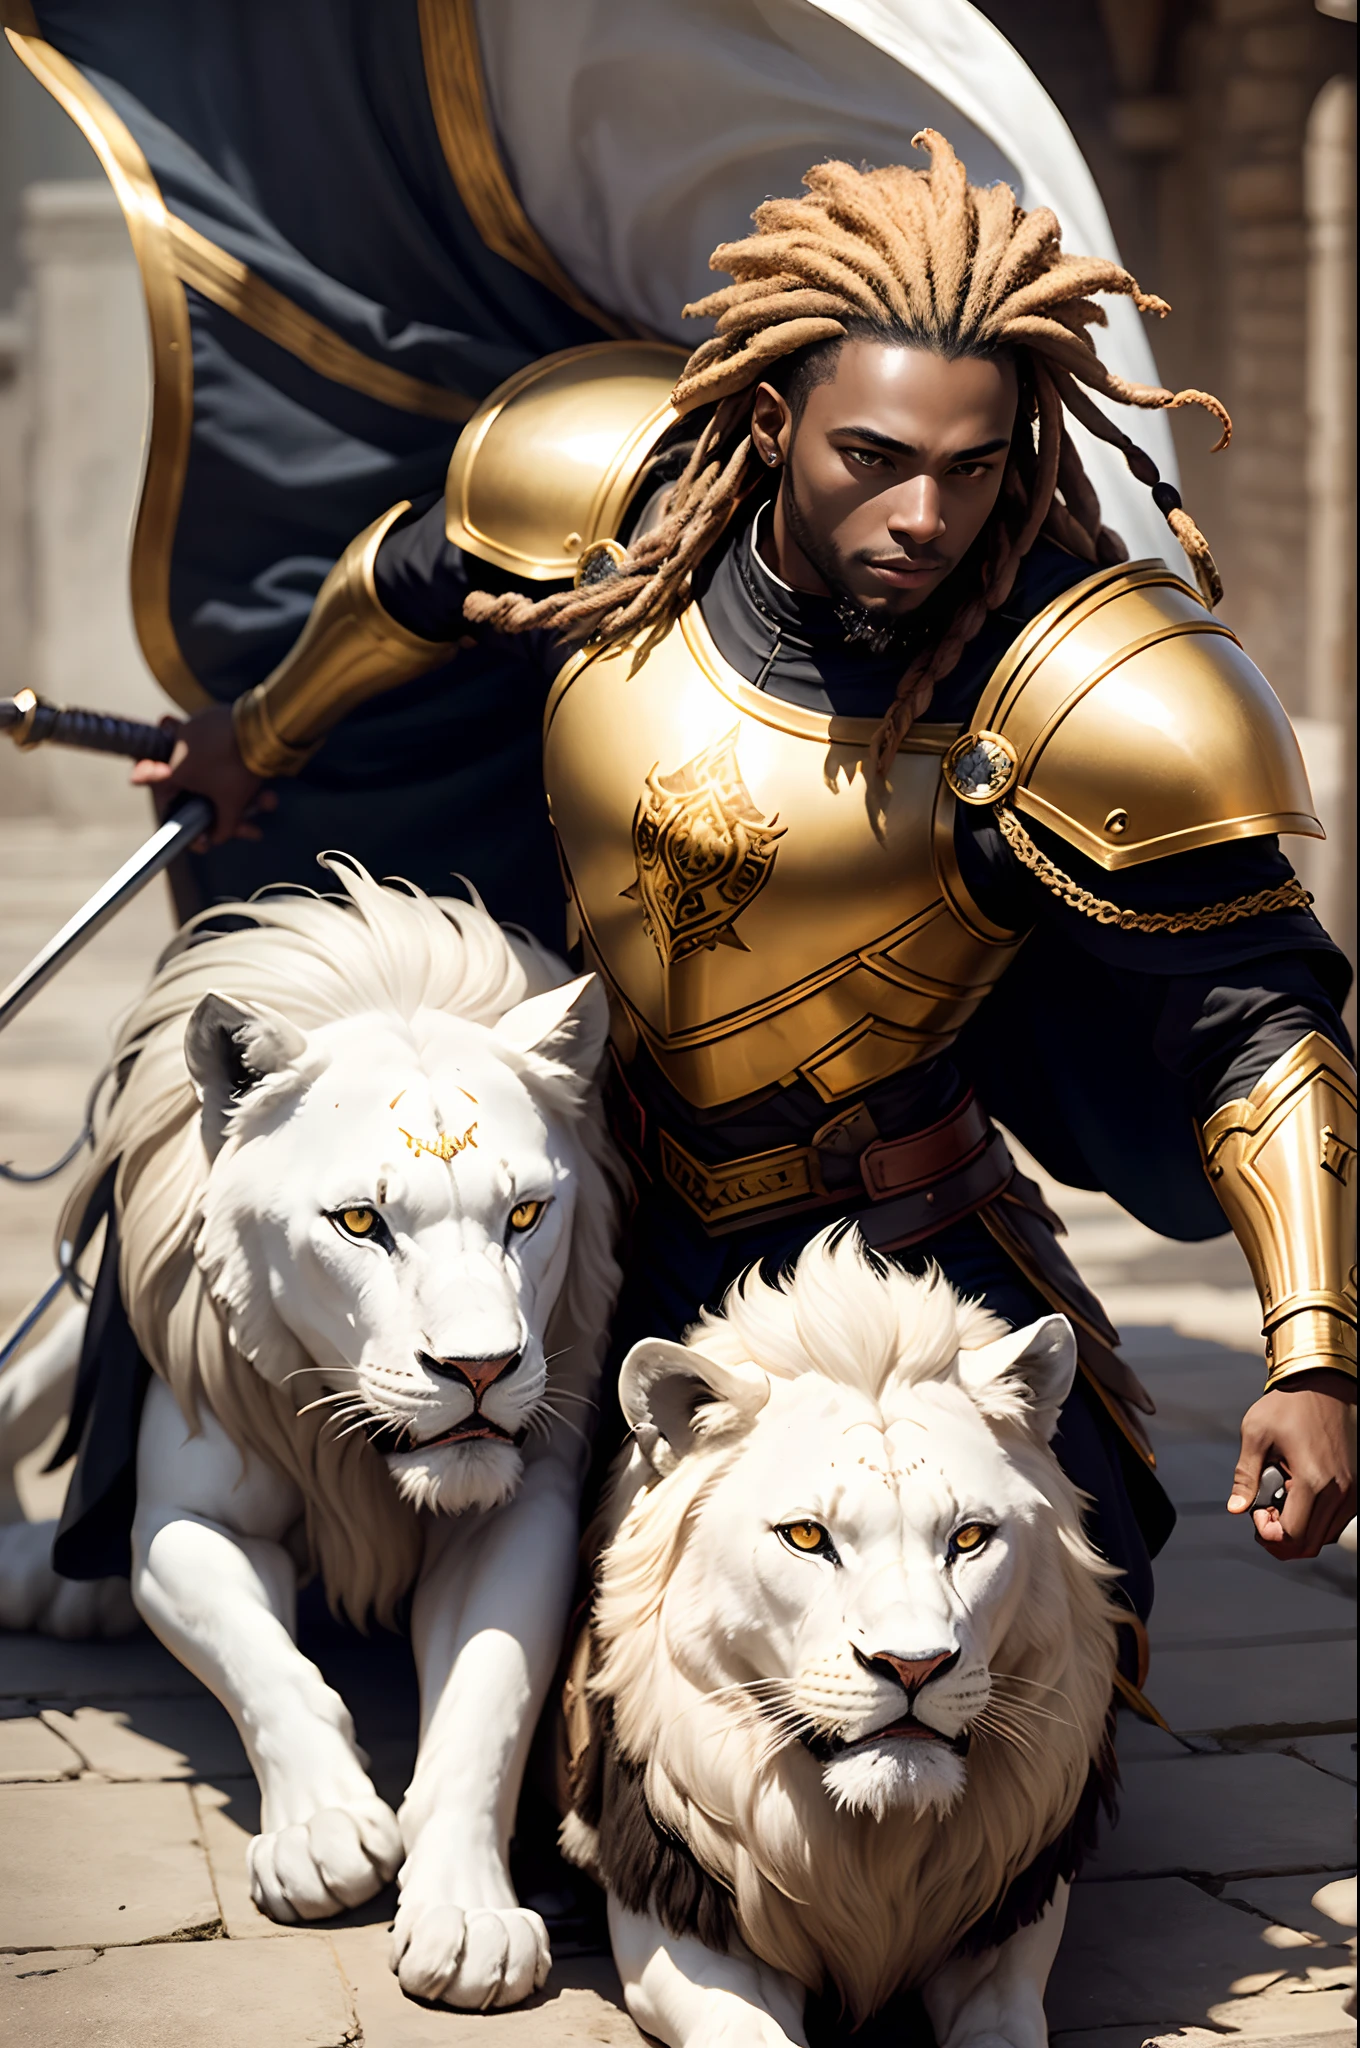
(1282, 1163)
(349, 650)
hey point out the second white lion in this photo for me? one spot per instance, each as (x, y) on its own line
(850, 1668)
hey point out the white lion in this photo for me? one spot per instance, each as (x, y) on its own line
(365, 1213)
(851, 1664)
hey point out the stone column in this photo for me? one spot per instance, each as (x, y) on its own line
(1329, 646)
(85, 387)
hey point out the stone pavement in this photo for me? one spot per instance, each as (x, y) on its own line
(125, 1802)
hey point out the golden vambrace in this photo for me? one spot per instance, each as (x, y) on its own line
(350, 649)
(1282, 1163)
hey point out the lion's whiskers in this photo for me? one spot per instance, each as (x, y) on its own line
(346, 1394)
(547, 1413)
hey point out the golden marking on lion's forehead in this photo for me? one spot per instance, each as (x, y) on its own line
(443, 1147)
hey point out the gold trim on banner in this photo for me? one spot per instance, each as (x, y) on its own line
(234, 286)
(172, 393)
(457, 86)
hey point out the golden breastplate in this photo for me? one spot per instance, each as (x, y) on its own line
(760, 908)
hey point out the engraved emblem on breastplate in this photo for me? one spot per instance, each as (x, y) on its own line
(703, 850)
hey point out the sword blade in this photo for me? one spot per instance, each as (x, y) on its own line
(179, 831)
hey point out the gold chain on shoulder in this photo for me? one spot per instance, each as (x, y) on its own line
(1290, 895)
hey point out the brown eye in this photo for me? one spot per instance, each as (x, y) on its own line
(525, 1215)
(359, 1222)
(805, 1536)
(971, 1536)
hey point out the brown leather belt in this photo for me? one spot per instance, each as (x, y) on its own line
(914, 1185)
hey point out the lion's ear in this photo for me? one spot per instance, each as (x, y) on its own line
(228, 1048)
(1042, 1358)
(569, 1024)
(662, 1386)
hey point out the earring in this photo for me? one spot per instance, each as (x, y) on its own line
(772, 458)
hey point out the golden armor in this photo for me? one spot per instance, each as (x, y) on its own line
(349, 650)
(764, 906)
(1127, 719)
(545, 469)
(548, 465)
(760, 904)
(1282, 1163)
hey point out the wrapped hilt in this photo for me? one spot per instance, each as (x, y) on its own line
(31, 721)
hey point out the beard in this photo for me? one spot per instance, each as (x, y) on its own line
(880, 630)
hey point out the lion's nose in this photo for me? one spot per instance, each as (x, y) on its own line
(912, 1672)
(476, 1374)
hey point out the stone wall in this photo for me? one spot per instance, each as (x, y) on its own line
(86, 370)
(1195, 117)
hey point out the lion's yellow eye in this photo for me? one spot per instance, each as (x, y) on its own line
(359, 1222)
(805, 1535)
(971, 1536)
(525, 1215)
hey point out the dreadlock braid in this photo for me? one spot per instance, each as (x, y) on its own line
(923, 259)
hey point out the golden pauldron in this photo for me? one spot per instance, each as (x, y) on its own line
(349, 649)
(1282, 1163)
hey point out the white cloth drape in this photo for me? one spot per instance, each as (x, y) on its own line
(641, 133)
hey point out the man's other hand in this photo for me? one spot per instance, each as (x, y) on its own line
(1307, 1424)
(206, 760)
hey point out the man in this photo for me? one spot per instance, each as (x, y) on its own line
(353, 223)
(878, 778)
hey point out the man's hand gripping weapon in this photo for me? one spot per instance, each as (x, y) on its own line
(31, 722)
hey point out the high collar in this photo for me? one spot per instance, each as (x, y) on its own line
(789, 642)
(793, 645)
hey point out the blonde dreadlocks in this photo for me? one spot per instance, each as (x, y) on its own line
(924, 258)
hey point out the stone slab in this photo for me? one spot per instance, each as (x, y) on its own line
(1139, 1741)
(1212, 1532)
(154, 1738)
(40, 1667)
(89, 1864)
(1302, 1685)
(1196, 1473)
(30, 1752)
(1194, 1309)
(1288, 1902)
(1334, 1754)
(228, 1815)
(1224, 1816)
(1161, 1954)
(581, 2006)
(192, 1994)
(40, 1962)
(1324, 2024)
(1212, 1600)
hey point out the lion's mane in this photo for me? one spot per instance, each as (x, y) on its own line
(681, 1802)
(388, 949)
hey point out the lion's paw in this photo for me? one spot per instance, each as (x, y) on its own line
(476, 1958)
(338, 1858)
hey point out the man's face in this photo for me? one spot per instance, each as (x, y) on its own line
(890, 473)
